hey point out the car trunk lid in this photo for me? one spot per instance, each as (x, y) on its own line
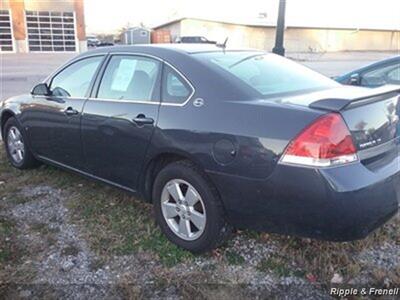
(373, 117)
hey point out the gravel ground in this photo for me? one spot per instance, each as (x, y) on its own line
(62, 265)
(68, 266)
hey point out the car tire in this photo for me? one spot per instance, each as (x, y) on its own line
(199, 200)
(17, 149)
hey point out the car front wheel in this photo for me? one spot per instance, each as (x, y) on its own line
(187, 208)
(18, 152)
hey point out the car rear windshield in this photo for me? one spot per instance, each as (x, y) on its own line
(268, 74)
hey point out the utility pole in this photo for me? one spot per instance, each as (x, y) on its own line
(280, 29)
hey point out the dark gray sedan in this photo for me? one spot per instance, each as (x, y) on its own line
(217, 139)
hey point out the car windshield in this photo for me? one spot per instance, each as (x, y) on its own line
(268, 74)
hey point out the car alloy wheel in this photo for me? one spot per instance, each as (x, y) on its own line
(15, 144)
(183, 209)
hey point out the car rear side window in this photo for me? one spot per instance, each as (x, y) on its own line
(74, 80)
(267, 74)
(129, 77)
(175, 89)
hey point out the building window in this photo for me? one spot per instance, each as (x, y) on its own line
(51, 31)
(6, 39)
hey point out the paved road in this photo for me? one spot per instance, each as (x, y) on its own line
(19, 72)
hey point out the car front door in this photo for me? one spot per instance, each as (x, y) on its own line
(119, 119)
(53, 122)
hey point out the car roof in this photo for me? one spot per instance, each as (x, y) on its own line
(180, 58)
(163, 48)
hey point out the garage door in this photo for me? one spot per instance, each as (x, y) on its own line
(6, 38)
(51, 31)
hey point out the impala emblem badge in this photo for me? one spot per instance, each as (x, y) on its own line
(198, 102)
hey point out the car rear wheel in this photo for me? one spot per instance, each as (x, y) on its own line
(187, 208)
(17, 150)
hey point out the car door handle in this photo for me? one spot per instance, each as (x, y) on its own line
(141, 119)
(70, 111)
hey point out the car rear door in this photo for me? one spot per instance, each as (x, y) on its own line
(119, 119)
(53, 122)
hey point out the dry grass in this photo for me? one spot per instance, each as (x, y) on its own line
(114, 223)
(322, 259)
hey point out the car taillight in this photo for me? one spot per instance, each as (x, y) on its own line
(324, 143)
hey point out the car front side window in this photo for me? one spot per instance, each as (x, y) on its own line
(75, 79)
(129, 78)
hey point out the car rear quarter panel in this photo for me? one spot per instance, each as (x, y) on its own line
(243, 139)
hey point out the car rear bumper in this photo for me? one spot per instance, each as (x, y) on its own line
(339, 204)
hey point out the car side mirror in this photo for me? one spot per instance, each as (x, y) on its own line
(41, 89)
(355, 79)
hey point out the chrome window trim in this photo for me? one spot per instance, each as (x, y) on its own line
(187, 81)
(77, 60)
(152, 102)
(50, 77)
(60, 97)
(67, 64)
(125, 101)
(100, 99)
